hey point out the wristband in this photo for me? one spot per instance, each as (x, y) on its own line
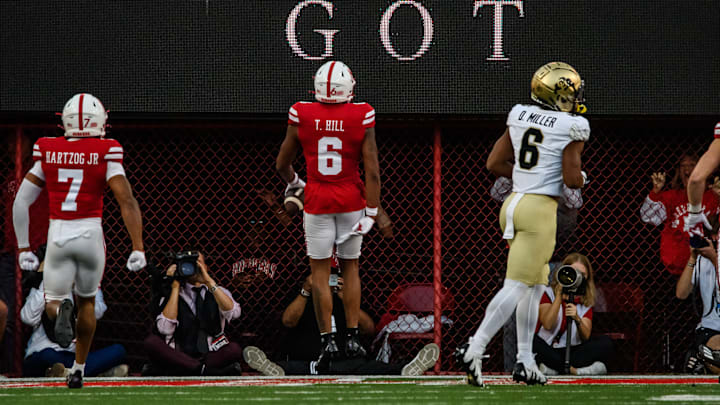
(304, 293)
(371, 212)
(213, 288)
(694, 208)
(295, 180)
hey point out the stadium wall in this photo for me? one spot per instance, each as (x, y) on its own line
(200, 185)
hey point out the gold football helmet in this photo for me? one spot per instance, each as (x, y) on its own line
(558, 86)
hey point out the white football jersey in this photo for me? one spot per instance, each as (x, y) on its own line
(539, 137)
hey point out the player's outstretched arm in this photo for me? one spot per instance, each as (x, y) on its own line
(29, 190)
(572, 165)
(372, 169)
(499, 160)
(709, 161)
(130, 210)
(286, 156)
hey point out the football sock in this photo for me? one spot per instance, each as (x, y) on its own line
(499, 310)
(76, 367)
(527, 316)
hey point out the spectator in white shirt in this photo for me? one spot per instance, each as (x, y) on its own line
(44, 357)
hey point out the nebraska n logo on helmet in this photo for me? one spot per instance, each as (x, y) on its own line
(84, 116)
(334, 83)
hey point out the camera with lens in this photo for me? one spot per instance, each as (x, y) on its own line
(186, 263)
(571, 280)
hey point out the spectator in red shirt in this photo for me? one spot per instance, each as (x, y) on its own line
(550, 338)
(669, 207)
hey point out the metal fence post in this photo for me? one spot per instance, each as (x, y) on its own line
(437, 238)
(18, 360)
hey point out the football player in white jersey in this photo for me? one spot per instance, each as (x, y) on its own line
(544, 140)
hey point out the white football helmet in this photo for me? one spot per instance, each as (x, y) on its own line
(84, 116)
(334, 83)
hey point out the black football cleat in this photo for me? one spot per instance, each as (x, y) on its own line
(529, 375)
(472, 368)
(353, 348)
(330, 351)
(75, 380)
(64, 334)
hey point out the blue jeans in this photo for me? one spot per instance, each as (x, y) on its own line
(97, 361)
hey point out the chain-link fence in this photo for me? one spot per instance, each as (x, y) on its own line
(209, 186)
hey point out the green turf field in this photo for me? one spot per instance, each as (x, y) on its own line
(368, 394)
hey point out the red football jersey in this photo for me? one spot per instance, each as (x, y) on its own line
(331, 136)
(75, 173)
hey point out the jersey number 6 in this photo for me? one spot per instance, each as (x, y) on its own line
(529, 154)
(64, 175)
(329, 160)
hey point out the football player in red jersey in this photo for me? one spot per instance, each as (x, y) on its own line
(76, 169)
(335, 135)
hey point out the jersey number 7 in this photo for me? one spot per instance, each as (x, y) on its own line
(65, 175)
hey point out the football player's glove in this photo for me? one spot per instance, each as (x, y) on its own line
(136, 261)
(361, 227)
(294, 200)
(28, 261)
(334, 83)
(558, 86)
(84, 116)
(295, 183)
(693, 222)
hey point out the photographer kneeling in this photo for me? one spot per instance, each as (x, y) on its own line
(700, 272)
(191, 326)
(550, 341)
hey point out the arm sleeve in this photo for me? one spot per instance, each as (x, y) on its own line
(293, 116)
(235, 311)
(501, 189)
(26, 195)
(716, 134)
(114, 169)
(589, 314)
(369, 118)
(653, 212)
(37, 170)
(31, 312)
(545, 299)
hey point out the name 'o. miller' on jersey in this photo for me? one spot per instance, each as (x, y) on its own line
(75, 174)
(332, 136)
(539, 137)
